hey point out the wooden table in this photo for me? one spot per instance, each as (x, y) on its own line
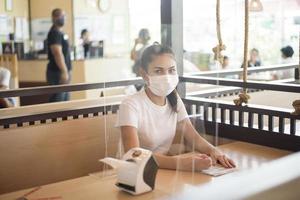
(168, 182)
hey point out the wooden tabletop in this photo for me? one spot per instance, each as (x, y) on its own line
(168, 182)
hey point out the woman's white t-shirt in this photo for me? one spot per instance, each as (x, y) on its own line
(156, 125)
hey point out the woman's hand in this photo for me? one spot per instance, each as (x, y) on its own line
(218, 157)
(195, 161)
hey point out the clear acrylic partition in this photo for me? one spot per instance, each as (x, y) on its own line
(269, 31)
(199, 37)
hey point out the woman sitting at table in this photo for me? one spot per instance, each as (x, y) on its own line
(150, 118)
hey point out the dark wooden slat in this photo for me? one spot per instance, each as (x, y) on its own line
(281, 125)
(250, 119)
(271, 123)
(241, 118)
(297, 74)
(292, 126)
(205, 112)
(198, 110)
(260, 121)
(223, 115)
(213, 110)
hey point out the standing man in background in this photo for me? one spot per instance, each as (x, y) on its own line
(59, 66)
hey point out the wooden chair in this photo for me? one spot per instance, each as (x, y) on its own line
(10, 61)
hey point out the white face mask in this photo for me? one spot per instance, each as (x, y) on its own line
(163, 85)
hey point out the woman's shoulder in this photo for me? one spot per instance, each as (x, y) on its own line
(134, 99)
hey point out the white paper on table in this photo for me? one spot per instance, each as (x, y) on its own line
(218, 170)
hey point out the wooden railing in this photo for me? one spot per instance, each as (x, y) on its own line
(270, 126)
(265, 125)
(274, 86)
(239, 71)
(67, 88)
(245, 122)
(58, 115)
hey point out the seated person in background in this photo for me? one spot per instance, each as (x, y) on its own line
(136, 54)
(287, 57)
(225, 62)
(150, 118)
(287, 54)
(4, 85)
(86, 42)
(188, 65)
(254, 58)
(225, 66)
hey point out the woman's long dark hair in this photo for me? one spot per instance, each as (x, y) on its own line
(148, 55)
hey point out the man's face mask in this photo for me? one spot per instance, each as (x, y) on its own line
(60, 21)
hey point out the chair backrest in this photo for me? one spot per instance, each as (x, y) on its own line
(10, 62)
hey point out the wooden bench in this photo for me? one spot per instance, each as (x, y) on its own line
(47, 153)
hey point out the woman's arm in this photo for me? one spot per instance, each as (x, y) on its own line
(185, 162)
(129, 137)
(193, 138)
(198, 143)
